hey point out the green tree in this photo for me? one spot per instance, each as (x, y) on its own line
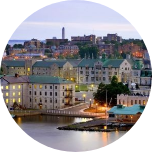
(113, 89)
(1, 70)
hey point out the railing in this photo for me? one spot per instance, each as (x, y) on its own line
(73, 113)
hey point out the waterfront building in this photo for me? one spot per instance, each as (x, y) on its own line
(14, 89)
(38, 92)
(123, 113)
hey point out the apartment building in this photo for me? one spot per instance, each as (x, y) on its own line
(14, 89)
(130, 100)
(38, 92)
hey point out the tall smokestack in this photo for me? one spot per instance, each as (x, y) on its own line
(63, 33)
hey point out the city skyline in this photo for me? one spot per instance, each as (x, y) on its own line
(48, 22)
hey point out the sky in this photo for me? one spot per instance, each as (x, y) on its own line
(78, 17)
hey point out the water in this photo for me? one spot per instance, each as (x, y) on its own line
(43, 129)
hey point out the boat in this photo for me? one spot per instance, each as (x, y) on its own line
(13, 116)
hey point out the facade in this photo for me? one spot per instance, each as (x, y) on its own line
(89, 38)
(21, 67)
(38, 92)
(130, 100)
(56, 42)
(112, 37)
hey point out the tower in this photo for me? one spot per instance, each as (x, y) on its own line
(63, 33)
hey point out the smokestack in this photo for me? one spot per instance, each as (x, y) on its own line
(63, 33)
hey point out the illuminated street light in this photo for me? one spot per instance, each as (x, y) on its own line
(92, 87)
(90, 103)
(84, 97)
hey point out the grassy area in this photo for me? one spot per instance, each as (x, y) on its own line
(81, 87)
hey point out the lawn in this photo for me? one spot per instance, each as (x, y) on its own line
(81, 87)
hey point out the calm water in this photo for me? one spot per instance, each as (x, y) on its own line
(43, 129)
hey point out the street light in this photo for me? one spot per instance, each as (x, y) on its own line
(84, 97)
(90, 103)
(96, 107)
(92, 87)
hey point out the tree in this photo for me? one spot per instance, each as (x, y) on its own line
(113, 89)
(8, 47)
(1, 70)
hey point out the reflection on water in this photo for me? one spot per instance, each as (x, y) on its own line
(43, 129)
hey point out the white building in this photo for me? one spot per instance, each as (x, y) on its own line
(129, 100)
(38, 92)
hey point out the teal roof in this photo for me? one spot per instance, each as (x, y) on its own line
(122, 110)
(115, 63)
(138, 64)
(14, 63)
(48, 79)
(88, 62)
(49, 63)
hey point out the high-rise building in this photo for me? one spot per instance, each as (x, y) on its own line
(63, 33)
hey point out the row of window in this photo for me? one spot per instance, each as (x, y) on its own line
(46, 101)
(133, 102)
(7, 87)
(7, 94)
(41, 86)
(14, 100)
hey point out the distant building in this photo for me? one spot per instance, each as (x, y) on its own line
(89, 38)
(33, 42)
(112, 37)
(56, 42)
(63, 33)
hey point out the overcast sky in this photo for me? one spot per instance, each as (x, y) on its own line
(78, 18)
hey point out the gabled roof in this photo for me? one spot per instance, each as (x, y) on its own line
(13, 79)
(122, 110)
(115, 63)
(47, 80)
(14, 63)
(49, 63)
(88, 62)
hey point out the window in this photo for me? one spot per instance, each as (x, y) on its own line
(144, 102)
(19, 100)
(96, 78)
(50, 87)
(63, 93)
(40, 93)
(115, 73)
(6, 93)
(92, 72)
(13, 93)
(135, 101)
(6, 100)
(104, 79)
(63, 101)
(35, 92)
(45, 87)
(51, 100)
(29, 92)
(1, 87)
(19, 86)
(13, 100)
(35, 99)
(45, 93)
(55, 100)
(45, 100)
(55, 87)
(40, 100)
(6, 87)
(30, 86)
(19, 93)
(50, 93)
(140, 102)
(131, 102)
(55, 93)
(28, 69)
(35, 86)
(63, 87)
(30, 99)
(40, 86)
(81, 72)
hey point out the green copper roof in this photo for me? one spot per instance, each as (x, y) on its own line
(138, 64)
(49, 63)
(14, 63)
(115, 63)
(122, 110)
(88, 62)
(48, 79)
